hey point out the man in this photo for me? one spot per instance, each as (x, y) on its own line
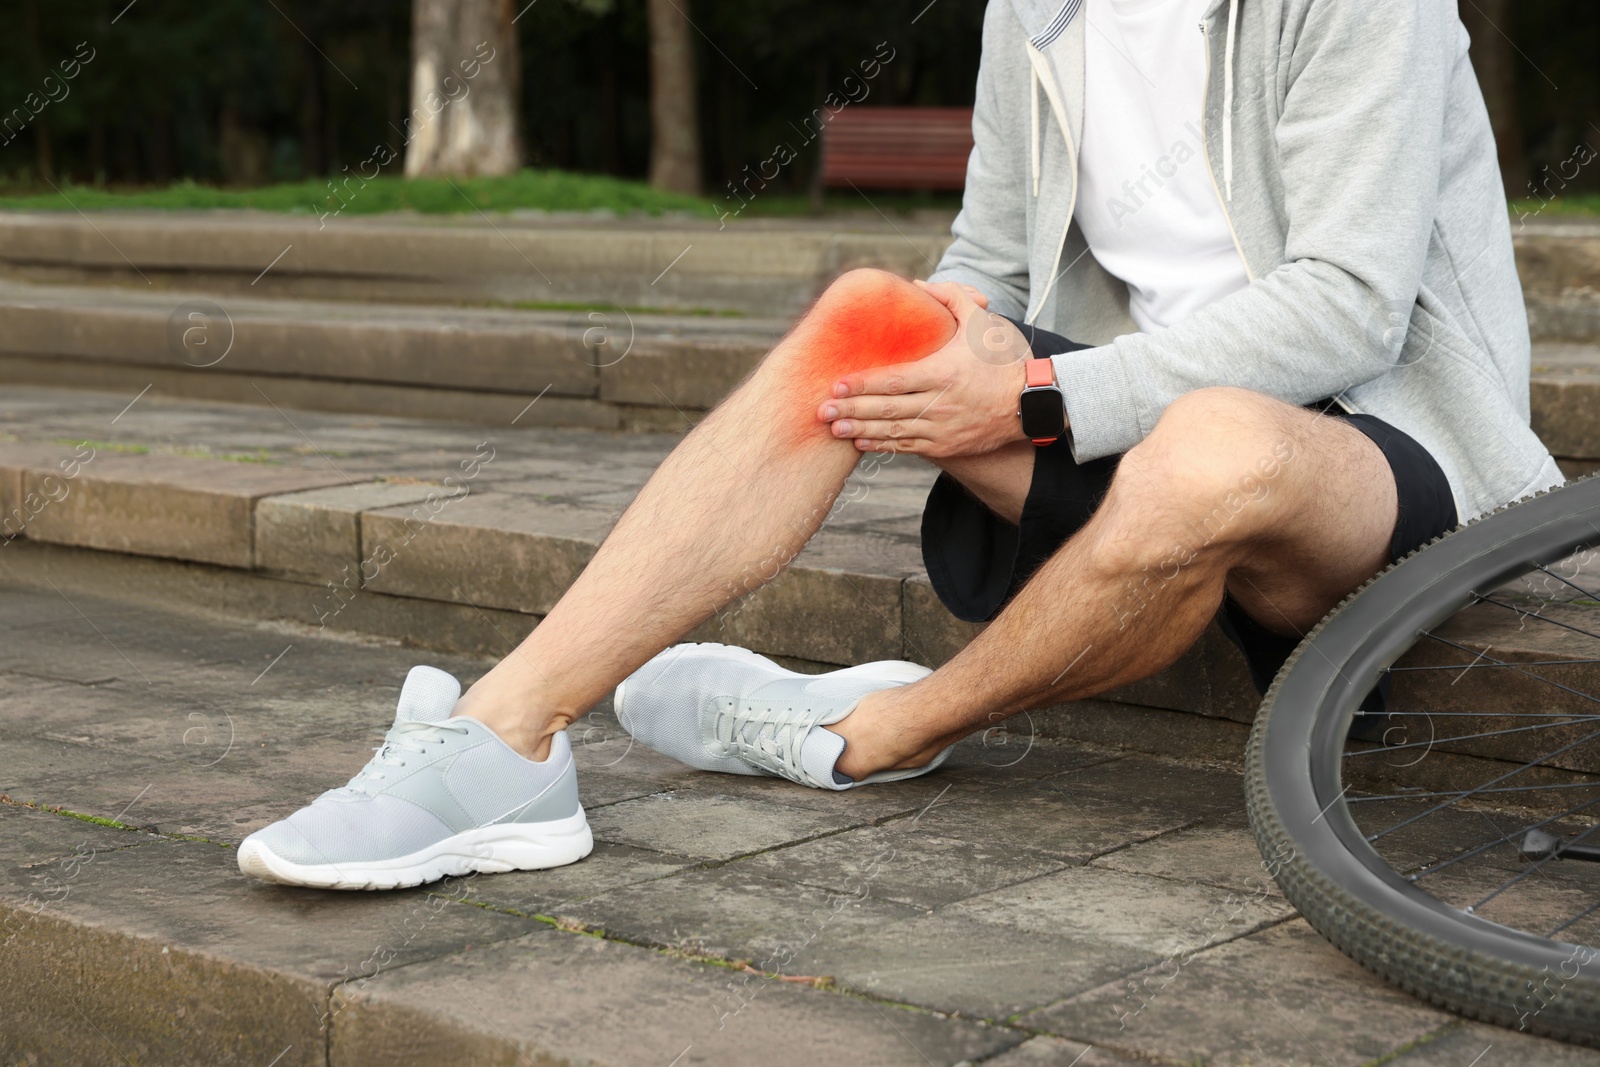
(1274, 229)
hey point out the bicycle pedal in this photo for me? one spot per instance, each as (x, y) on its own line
(1538, 845)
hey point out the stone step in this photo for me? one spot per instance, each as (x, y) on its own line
(1558, 260)
(752, 266)
(596, 369)
(757, 266)
(586, 368)
(463, 537)
(1564, 395)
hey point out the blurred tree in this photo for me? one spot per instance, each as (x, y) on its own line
(674, 118)
(466, 89)
(1495, 61)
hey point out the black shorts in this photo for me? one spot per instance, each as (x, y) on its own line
(977, 561)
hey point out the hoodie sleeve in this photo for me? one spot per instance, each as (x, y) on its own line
(1359, 149)
(990, 250)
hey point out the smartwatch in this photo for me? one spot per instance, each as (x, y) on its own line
(1041, 408)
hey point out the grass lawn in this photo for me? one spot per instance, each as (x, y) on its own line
(548, 190)
(1586, 204)
(544, 190)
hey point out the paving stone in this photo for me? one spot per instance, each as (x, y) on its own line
(1157, 915)
(1282, 996)
(315, 535)
(709, 826)
(976, 968)
(1464, 1044)
(173, 506)
(1044, 1051)
(880, 803)
(1220, 853)
(1012, 751)
(729, 914)
(1072, 815)
(473, 1008)
(897, 863)
(608, 867)
(164, 946)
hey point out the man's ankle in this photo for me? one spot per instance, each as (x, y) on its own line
(874, 742)
(513, 719)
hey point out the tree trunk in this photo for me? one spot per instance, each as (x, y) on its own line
(1495, 61)
(312, 100)
(466, 89)
(674, 121)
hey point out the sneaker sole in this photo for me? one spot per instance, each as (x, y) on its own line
(481, 850)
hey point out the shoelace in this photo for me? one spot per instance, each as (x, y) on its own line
(404, 737)
(767, 737)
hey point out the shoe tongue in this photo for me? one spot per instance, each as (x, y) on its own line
(429, 695)
(819, 752)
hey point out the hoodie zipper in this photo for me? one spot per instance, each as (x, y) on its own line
(1072, 158)
(1205, 146)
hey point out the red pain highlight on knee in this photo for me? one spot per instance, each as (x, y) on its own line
(871, 319)
(864, 320)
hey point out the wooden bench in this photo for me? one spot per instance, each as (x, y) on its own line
(897, 147)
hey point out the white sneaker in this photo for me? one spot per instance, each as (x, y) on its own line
(443, 796)
(722, 708)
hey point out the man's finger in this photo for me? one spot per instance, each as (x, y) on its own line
(957, 298)
(881, 429)
(875, 406)
(893, 380)
(914, 445)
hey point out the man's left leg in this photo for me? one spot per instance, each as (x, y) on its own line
(1284, 509)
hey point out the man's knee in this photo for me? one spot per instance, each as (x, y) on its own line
(1214, 469)
(866, 318)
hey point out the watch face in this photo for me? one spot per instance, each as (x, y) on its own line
(1042, 413)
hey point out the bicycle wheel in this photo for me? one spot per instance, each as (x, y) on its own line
(1447, 853)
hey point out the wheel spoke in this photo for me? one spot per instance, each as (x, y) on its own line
(1468, 737)
(1564, 581)
(1486, 846)
(1464, 794)
(1541, 618)
(1513, 666)
(1501, 789)
(1487, 666)
(1585, 913)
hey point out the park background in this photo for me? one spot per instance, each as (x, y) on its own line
(259, 103)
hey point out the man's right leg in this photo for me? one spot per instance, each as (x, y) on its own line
(487, 782)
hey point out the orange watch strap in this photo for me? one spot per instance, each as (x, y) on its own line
(1040, 372)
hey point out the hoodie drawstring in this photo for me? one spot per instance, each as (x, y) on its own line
(1227, 101)
(1033, 125)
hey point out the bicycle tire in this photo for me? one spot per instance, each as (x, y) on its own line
(1311, 843)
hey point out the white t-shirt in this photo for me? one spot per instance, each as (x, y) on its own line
(1146, 201)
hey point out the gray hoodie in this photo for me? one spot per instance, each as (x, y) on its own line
(1352, 153)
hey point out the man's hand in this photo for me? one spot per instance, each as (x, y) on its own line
(960, 401)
